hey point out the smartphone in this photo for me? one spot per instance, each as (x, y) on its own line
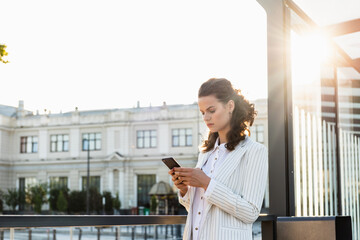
(170, 162)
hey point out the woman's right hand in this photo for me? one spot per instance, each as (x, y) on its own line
(178, 183)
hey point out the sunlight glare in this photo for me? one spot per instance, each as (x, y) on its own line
(308, 53)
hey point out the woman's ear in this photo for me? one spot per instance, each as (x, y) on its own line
(231, 105)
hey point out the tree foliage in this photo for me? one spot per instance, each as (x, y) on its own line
(117, 202)
(62, 203)
(1, 201)
(37, 196)
(77, 202)
(54, 197)
(3, 53)
(12, 198)
(95, 201)
(153, 204)
(108, 203)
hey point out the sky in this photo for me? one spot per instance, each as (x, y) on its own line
(101, 54)
(327, 12)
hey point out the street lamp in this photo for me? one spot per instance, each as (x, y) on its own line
(87, 144)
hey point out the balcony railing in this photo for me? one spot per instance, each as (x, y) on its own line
(20, 222)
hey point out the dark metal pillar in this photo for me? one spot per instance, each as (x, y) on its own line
(88, 178)
(281, 174)
(80, 233)
(117, 233)
(337, 134)
(133, 233)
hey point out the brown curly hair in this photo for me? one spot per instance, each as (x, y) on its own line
(242, 117)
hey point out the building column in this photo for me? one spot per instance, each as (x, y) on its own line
(125, 140)
(122, 187)
(163, 142)
(110, 140)
(41, 177)
(43, 144)
(75, 141)
(110, 176)
(74, 180)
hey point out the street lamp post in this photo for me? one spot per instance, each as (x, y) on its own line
(87, 177)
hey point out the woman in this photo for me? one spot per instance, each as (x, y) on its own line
(223, 194)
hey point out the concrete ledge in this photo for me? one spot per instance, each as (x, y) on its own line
(299, 228)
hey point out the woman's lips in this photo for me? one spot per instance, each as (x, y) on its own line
(210, 124)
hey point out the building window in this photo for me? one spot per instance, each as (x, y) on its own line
(58, 182)
(258, 133)
(144, 184)
(24, 185)
(182, 137)
(93, 140)
(146, 139)
(94, 182)
(29, 144)
(59, 143)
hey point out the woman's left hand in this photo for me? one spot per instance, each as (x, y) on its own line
(194, 177)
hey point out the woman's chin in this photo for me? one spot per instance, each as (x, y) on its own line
(212, 129)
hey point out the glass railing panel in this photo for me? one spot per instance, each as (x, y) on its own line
(312, 136)
(326, 125)
(349, 123)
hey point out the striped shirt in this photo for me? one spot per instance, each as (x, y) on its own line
(216, 158)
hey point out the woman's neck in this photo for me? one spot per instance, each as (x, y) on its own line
(222, 138)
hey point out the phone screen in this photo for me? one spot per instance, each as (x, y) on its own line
(170, 162)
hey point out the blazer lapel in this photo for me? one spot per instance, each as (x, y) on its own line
(231, 161)
(228, 166)
(203, 157)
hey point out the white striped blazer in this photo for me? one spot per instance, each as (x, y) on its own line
(236, 200)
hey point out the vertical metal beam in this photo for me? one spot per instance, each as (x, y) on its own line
(289, 116)
(281, 174)
(337, 147)
(80, 233)
(88, 177)
(117, 234)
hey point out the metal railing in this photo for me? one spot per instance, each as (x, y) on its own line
(28, 222)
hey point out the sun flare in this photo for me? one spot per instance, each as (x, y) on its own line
(308, 53)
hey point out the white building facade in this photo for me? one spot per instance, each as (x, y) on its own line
(126, 147)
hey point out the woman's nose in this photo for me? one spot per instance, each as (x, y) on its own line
(206, 117)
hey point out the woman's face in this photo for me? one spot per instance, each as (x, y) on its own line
(216, 115)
